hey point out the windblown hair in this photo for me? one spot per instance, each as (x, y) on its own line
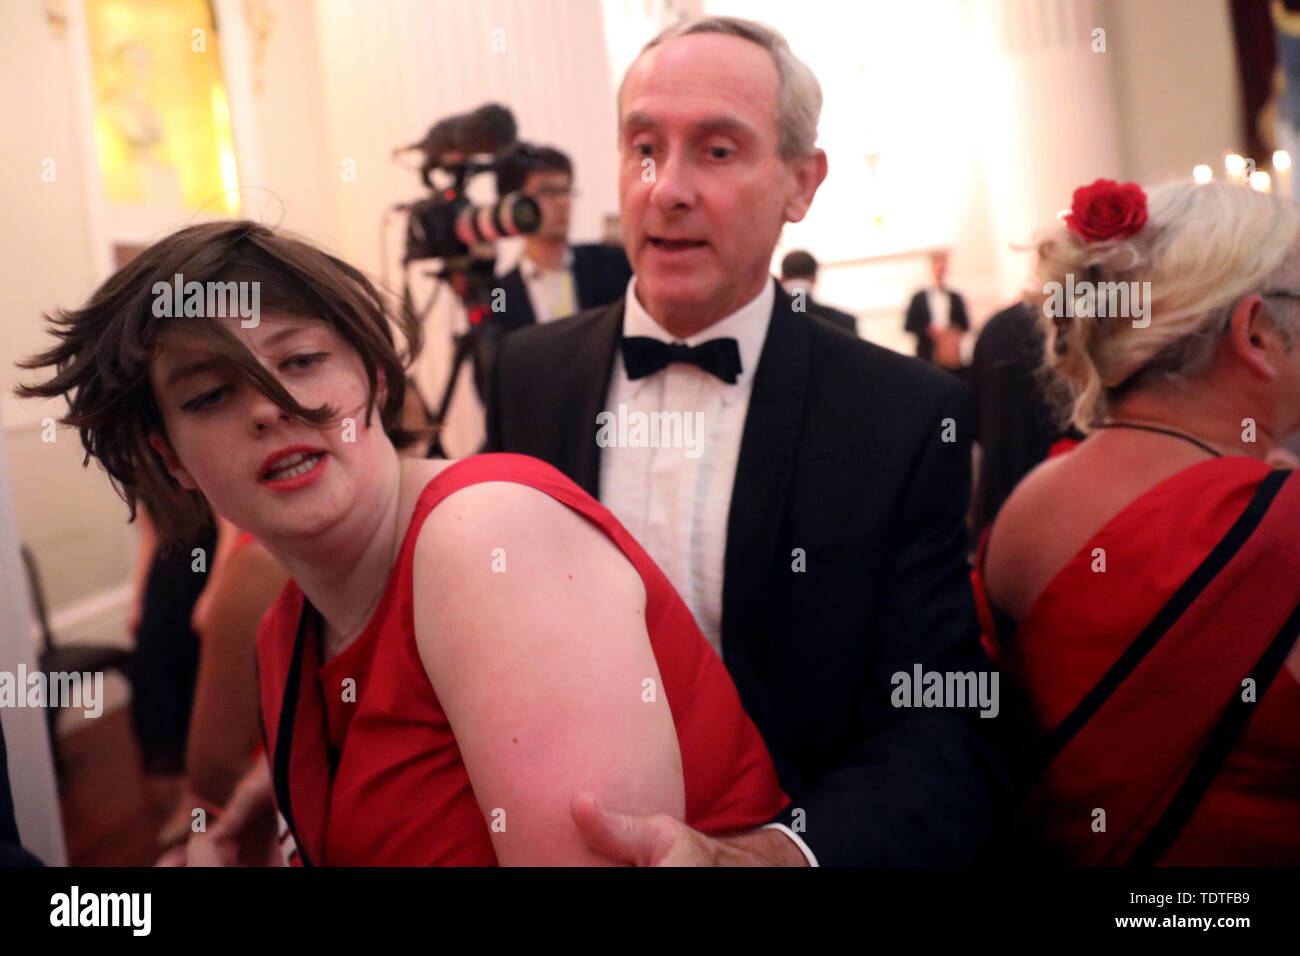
(106, 348)
(799, 97)
(1204, 247)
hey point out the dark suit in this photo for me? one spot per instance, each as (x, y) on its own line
(600, 276)
(833, 315)
(1014, 426)
(842, 463)
(918, 321)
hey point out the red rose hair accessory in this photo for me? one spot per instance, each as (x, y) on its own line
(1107, 210)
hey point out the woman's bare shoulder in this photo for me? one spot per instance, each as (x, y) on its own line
(1034, 499)
(1041, 526)
(524, 528)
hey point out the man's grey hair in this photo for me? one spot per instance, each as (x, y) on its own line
(799, 96)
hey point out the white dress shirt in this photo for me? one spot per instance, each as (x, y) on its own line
(939, 306)
(551, 292)
(676, 504)
(675, 500)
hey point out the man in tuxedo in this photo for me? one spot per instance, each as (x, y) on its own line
(817, 534)
(799, 275)
(553, 279)
(937, 317)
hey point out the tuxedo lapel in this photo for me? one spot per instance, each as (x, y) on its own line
(584, 279)
(591, 364)
(519, 308)
(768, 447)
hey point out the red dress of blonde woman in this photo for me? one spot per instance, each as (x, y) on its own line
(1157, 683)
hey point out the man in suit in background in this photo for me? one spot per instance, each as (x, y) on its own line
(799, 274)
(937, 317)
(814, 526)
(553, 279)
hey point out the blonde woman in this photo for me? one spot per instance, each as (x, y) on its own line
(1143, 590)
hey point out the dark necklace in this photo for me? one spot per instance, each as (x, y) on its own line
(1163, 431)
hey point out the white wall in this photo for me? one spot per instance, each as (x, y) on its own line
(1176, 86)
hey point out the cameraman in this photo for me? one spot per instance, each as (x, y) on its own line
(553, 279)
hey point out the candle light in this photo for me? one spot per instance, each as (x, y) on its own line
(1282, 170)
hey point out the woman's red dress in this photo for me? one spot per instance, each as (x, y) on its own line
(1130, 758)
(375, 777)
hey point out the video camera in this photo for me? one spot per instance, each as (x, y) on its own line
(448, 225)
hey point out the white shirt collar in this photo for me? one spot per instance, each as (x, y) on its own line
(747, 325)
(531, 270)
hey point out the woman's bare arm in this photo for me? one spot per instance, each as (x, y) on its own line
(531, 626)
(223, 726)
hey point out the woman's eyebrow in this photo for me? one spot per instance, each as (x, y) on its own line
(276, 337)
(182, 372)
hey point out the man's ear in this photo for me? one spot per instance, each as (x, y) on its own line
(809, 172)
(163, 447)
(1254, 338)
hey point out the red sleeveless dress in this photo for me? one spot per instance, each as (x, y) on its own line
(380, 781)
(1133, 755)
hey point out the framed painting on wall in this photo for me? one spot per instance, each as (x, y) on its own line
(161, 116)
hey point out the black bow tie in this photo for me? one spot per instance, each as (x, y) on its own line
(644, 356)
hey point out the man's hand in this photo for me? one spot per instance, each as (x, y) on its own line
(656, 839)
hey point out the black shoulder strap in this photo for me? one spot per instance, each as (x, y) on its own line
(1191, 589)
(284, 734)
(1220, 741)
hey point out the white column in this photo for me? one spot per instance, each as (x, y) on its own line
(31, 765)
(1049, 122)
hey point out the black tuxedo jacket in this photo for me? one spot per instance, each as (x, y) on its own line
(918, 320)
(600, 276)
(845, 564)
(833, 315)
